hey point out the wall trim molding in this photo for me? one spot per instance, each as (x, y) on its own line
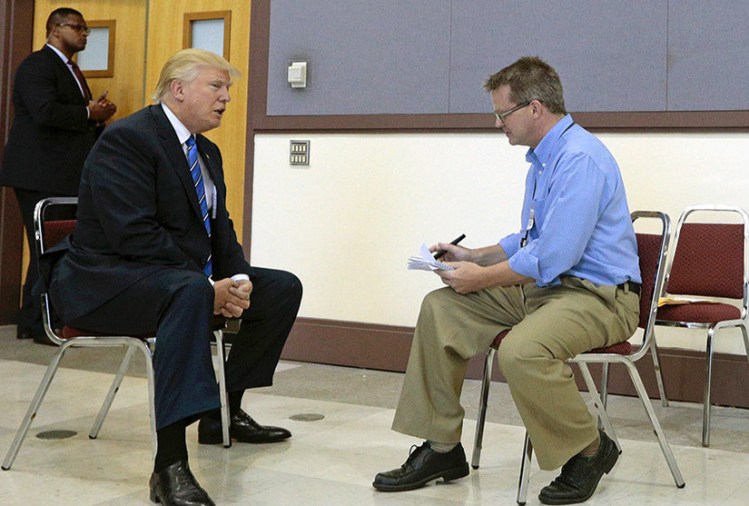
(385, 347)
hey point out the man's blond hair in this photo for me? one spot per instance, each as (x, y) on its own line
(185, 65)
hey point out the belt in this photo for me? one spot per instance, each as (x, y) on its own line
(631, 286)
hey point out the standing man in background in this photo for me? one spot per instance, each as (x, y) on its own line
(55, 125)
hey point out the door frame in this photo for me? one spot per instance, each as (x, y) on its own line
(16, 30)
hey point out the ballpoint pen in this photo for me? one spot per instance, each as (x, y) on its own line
(439, 254)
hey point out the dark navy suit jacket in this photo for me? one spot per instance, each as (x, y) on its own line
(138, 212)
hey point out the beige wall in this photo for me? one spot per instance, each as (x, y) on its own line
(347, 224)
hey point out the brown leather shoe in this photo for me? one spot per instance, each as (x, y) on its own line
(580, 475)
(176, 486)
(242, 428)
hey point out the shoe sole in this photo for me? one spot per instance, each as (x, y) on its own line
(211, 440)
(447, 475)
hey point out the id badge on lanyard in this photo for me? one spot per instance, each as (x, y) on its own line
(529, 226)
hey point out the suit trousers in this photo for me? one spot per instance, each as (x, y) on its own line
(177, 307)
(549, 325)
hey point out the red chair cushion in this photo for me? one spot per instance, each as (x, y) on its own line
(624, 348)
(698, 312)
(69, 332)
(498, 340)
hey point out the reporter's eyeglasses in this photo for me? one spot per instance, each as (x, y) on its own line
(502, 115)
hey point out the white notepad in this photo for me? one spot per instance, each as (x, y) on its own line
(424, 261)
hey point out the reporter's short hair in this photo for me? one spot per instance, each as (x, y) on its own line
(530, 78)
(185, 65)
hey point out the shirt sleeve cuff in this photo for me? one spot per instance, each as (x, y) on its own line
(526, 265)
(510, 244)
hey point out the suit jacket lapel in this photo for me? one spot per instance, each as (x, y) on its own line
(176, 156)
(64, 71)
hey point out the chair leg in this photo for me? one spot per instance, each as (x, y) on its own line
(604, 389)
(658, 372)
(708, 388)
(598, 403)
(483, 400)
(525, 471)
(23, 429)
(116, 383)
(665, 448)
(220, 373)
(148, 353)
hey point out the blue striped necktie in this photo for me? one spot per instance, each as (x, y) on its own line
(197, 179)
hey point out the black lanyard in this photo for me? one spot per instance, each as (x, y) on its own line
(532, 212)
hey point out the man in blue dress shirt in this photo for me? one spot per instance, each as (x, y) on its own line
(567, 282)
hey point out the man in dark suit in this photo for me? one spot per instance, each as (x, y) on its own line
(155, 251)
(56, 122)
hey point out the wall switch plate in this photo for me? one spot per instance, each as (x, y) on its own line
(297, 74)
(299, 153)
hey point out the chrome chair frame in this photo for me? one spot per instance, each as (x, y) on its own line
(582, 360)
(712, 328)
(130, 343)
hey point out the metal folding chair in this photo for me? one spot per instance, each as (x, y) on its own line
(652, 251)
(54, 219)
(707, 283)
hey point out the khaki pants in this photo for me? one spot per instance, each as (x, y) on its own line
(549, 325)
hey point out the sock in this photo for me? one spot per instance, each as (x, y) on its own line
(592, 448)
(235, 402)
(171, 445)
(442, 447)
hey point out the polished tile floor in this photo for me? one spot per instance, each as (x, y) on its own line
(330, 461)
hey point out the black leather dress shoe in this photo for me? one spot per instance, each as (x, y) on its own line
(23, 333)
(176, 486)
(242, 428)
(580, 475)
(422, 466)
(42, 339)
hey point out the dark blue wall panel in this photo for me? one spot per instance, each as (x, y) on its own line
(611, 56)
(432, 56)
(364, 56)
(709, 55)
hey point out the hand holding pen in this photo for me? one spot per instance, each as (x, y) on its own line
(442, 251)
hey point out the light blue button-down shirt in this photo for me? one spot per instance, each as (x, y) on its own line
(581, 225)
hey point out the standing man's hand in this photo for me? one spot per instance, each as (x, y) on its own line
(101, 109)
(231, 297)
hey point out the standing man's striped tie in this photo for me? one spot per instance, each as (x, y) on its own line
(197, 179)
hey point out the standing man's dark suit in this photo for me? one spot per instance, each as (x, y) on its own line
(54, 127)
(136, 266)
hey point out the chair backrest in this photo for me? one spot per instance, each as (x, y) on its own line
(54, 219)
(709, 258)
(652, 250)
